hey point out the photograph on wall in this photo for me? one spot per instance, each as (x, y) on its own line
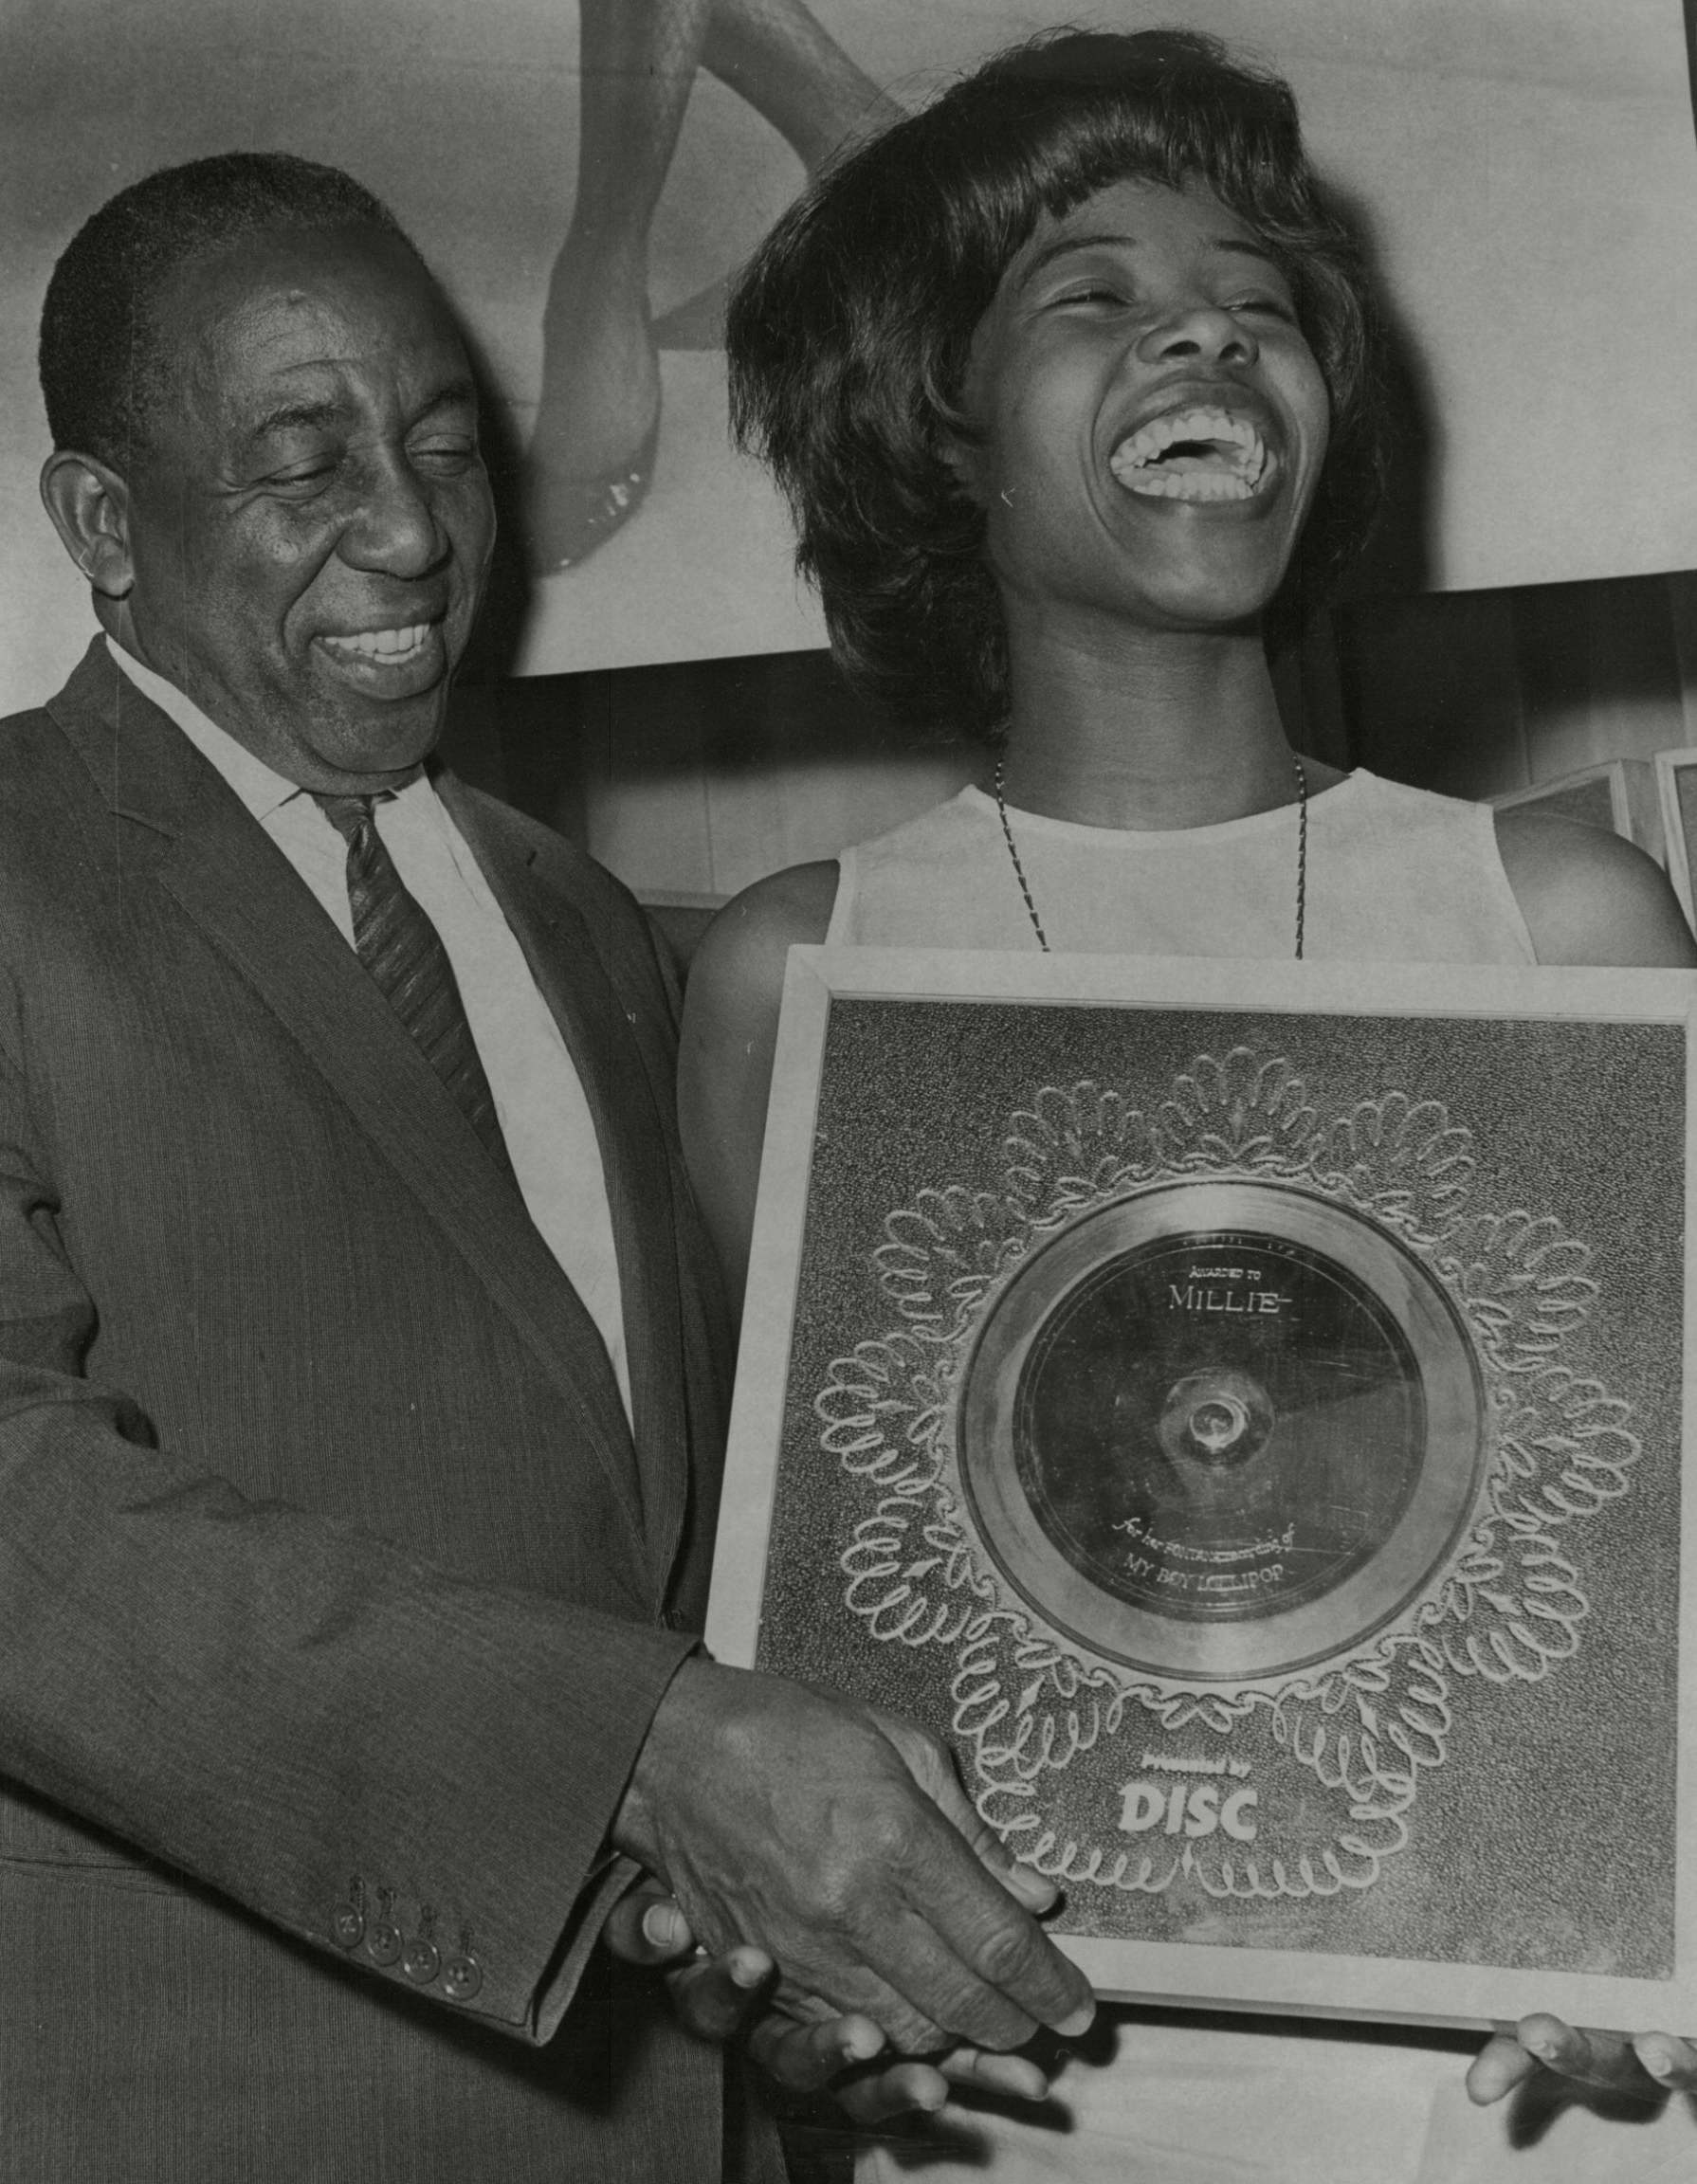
(587, 179)
(1241, 1412)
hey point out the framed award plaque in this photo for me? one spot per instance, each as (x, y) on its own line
(1241, 1408)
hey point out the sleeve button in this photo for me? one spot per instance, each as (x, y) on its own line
(347, 1927)
(422, 1961)
(461, 1979)
(383, 1943)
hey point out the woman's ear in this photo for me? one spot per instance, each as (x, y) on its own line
(88, 505)
(969, 462)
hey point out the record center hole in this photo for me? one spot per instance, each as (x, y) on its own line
(1217, 1422)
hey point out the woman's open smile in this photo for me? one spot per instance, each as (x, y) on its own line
(1151, 419)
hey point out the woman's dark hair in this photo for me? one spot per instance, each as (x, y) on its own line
(102, 352)
(850, 333)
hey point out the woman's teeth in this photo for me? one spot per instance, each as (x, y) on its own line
(1192, 455)
(394, 647)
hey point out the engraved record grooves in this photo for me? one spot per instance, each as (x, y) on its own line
(1217, 1424)
(1220, 1429)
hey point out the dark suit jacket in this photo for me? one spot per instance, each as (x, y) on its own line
(335, 1594)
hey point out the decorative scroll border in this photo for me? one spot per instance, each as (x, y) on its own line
(1027, 1700)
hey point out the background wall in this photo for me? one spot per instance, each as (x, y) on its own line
(1525, 170)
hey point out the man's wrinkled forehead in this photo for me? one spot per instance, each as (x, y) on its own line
(264, 324)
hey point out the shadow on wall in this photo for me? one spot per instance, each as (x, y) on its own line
(692, 780)
(1484, 693)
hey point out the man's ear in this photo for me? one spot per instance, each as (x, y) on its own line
(89, 506)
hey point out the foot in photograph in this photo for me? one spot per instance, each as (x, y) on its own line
(597, 430)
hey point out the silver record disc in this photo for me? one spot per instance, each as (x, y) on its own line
(1221, 1430)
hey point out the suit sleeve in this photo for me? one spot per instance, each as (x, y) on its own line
(412, 1770)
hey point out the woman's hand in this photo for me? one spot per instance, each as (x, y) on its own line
(730, 1996)
(1606, 2065)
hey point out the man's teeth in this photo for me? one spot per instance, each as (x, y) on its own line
(1192, 455)
(393, 646)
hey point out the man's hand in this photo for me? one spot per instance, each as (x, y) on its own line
(729, 1996)
(846, 2054)
(1597, 2065)
(837, 1839)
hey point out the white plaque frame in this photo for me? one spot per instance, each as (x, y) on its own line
(1583, 1036)
(1671, 768)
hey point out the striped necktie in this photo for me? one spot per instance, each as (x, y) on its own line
(403, 954)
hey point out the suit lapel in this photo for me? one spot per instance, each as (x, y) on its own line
(240, 890)
(535, 891)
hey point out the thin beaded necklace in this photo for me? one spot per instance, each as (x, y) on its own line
(1302, 855)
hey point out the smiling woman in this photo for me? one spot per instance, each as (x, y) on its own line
(1143, 356)
(1070, 380)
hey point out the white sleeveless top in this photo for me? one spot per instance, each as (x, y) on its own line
(1394, 875)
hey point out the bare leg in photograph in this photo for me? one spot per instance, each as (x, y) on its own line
(598, 416)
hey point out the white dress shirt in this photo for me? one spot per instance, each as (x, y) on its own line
(545, 1117)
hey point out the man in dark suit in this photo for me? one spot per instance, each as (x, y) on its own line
(361, 1376)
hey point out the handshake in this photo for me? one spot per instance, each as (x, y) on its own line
(845, 1899)
(847, 1895)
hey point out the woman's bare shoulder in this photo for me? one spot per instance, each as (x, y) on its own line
(743, 951)
(1589, 895)
(794, 905)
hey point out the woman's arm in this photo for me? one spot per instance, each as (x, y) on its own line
(1589, 897)
(730, 1030)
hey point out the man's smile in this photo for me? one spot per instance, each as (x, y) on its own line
(389, 647)
(394, 660)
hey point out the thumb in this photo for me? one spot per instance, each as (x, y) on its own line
(1023, 1883)
(933, 1770)
(645, 1926)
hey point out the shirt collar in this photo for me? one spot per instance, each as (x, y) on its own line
(259, 786)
